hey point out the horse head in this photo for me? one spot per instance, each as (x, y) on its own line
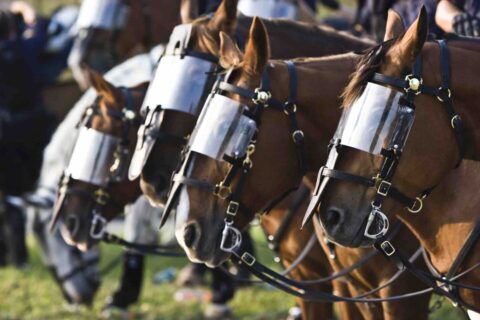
(405, 139)
(95, 188)
(184, 77)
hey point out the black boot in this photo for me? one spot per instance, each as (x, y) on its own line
(15, 223)
(131, 282)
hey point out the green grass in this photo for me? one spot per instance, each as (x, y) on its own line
(32, 294)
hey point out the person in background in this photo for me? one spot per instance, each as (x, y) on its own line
(459, 16)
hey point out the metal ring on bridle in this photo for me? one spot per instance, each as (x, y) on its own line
(413, 209)
(290, 108)
(448, 96)
(221, 191)
(298, 135)
(454, 119)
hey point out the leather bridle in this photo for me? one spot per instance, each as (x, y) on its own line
(240, 167)
(413, 86)
(101, 197)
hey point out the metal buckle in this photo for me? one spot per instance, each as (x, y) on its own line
(419, 202)
(387, 248)
(261, 97)
(384, 188)
(414, 84)
(232, 208)
(222, 191)
(248, 259)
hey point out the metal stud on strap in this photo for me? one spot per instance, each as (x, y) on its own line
(387, 248)
(261, 97)
(248, 259)
(101, 197)
(413, 84)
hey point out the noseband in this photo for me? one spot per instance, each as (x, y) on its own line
(101, 197)
(240, 166)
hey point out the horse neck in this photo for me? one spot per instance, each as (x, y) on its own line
(448, 216)
(288, 39)
(165, 15)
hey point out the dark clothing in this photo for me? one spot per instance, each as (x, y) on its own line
(409, 10)
(208, 6)
(472, 7)
(12, 236)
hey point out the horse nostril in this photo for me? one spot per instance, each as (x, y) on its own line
(334, 217)
(72, 224)
(190, 235)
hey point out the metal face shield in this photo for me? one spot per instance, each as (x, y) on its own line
(269, 8)
(223, 129)
(375, 121)
(102, 14)
(181, 82)
(94, 159)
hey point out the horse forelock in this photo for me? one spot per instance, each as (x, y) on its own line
(369, 64)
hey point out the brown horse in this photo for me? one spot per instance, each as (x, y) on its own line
(275, 167)
(146, 23)
(80, 200)
(431, 153)
(288, 40)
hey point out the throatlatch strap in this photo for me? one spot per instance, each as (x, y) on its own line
(291, 110)
(444, 95)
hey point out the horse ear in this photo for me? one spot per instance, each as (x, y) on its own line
(230, 55)
(189, 10)
(411, 44)
(257, 52)
(100, 84)
(225, 18)
(395, 26)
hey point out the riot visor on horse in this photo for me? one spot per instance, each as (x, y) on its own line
(95, 188)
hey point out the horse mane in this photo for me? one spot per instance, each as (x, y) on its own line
(370, 62)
